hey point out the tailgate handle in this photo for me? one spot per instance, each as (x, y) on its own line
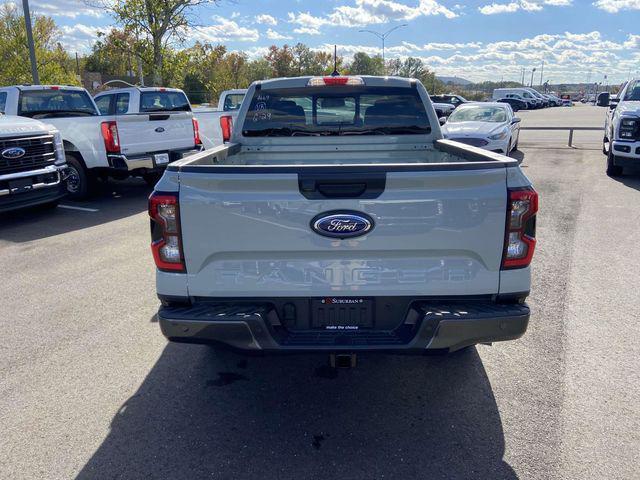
(317, 186)
(153, 118)
(342, 190)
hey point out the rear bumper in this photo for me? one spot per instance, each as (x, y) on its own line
(146, 161)
(433, 326)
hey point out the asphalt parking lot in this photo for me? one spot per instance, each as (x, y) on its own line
(90, 389)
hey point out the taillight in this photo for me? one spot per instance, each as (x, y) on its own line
(110, 136)
(226, 125)
(520, 237)
(320, 81)
(166, 239)
(196, 132)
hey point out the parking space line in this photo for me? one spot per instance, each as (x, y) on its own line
(83, 209)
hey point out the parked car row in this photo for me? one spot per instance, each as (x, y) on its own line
(123, 132)
(524, 98)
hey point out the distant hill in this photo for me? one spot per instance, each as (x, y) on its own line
(454, 81)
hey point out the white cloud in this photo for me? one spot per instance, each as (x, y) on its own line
(273, 35)
(79, 38)
(614, 6)
(306, 31)
(528, 6)
(65, 8)
(224, 30)
(266, 20)
(568, 57)
(368, 12)
(442, 46)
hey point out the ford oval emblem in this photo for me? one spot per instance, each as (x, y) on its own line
(160, 129)
(13, 153)
(342, 224)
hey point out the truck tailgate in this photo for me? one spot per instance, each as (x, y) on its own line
(155, 132)
(437, 231)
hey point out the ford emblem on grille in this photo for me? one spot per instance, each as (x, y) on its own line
(13, 153)
(342, 224)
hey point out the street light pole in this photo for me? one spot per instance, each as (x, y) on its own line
(383, 37)
(32, 50)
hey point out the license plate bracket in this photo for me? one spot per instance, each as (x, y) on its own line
(342, 313)
(20, 185)
(161, 159)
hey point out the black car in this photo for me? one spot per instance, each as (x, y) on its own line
(515, 103)
(455, 100)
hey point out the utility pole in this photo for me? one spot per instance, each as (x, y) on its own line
(140, 75)
(522, 82)
(383, 37)
(32, 49)
(541, 71)
(532, 72)
(77, 64)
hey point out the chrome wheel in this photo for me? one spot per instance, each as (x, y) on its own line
(73, 180)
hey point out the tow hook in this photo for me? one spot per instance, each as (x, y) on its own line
(343, 360)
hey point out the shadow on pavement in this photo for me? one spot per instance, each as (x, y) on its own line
(201, 414)
(630, 178)
(113, 200)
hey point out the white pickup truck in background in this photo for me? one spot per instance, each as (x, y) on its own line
(99, 145)
(621, 141)
(338, 220)
(154, 126)
(32, 164)
(216, 124)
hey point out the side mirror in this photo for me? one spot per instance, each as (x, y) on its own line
(613, 103)
(442, 120)
(516, 120)
(604, 99)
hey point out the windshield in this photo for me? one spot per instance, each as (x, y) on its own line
(478, 113)
(633, 91)
(157, 101)
(336, 110)
(51, 103)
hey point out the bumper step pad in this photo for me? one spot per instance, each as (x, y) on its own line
(439, 325)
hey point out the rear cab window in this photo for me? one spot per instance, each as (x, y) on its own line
(122, 103)
(3, 101)
(233, 101)
(336, 110)
(104, 104)
(55, 103)
(159, 101)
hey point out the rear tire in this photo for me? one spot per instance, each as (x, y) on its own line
(612, 169)
(79, 179)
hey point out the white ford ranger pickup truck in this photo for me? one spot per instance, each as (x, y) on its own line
(338, 220)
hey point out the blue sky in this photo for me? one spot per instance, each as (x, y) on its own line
(479, 40)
